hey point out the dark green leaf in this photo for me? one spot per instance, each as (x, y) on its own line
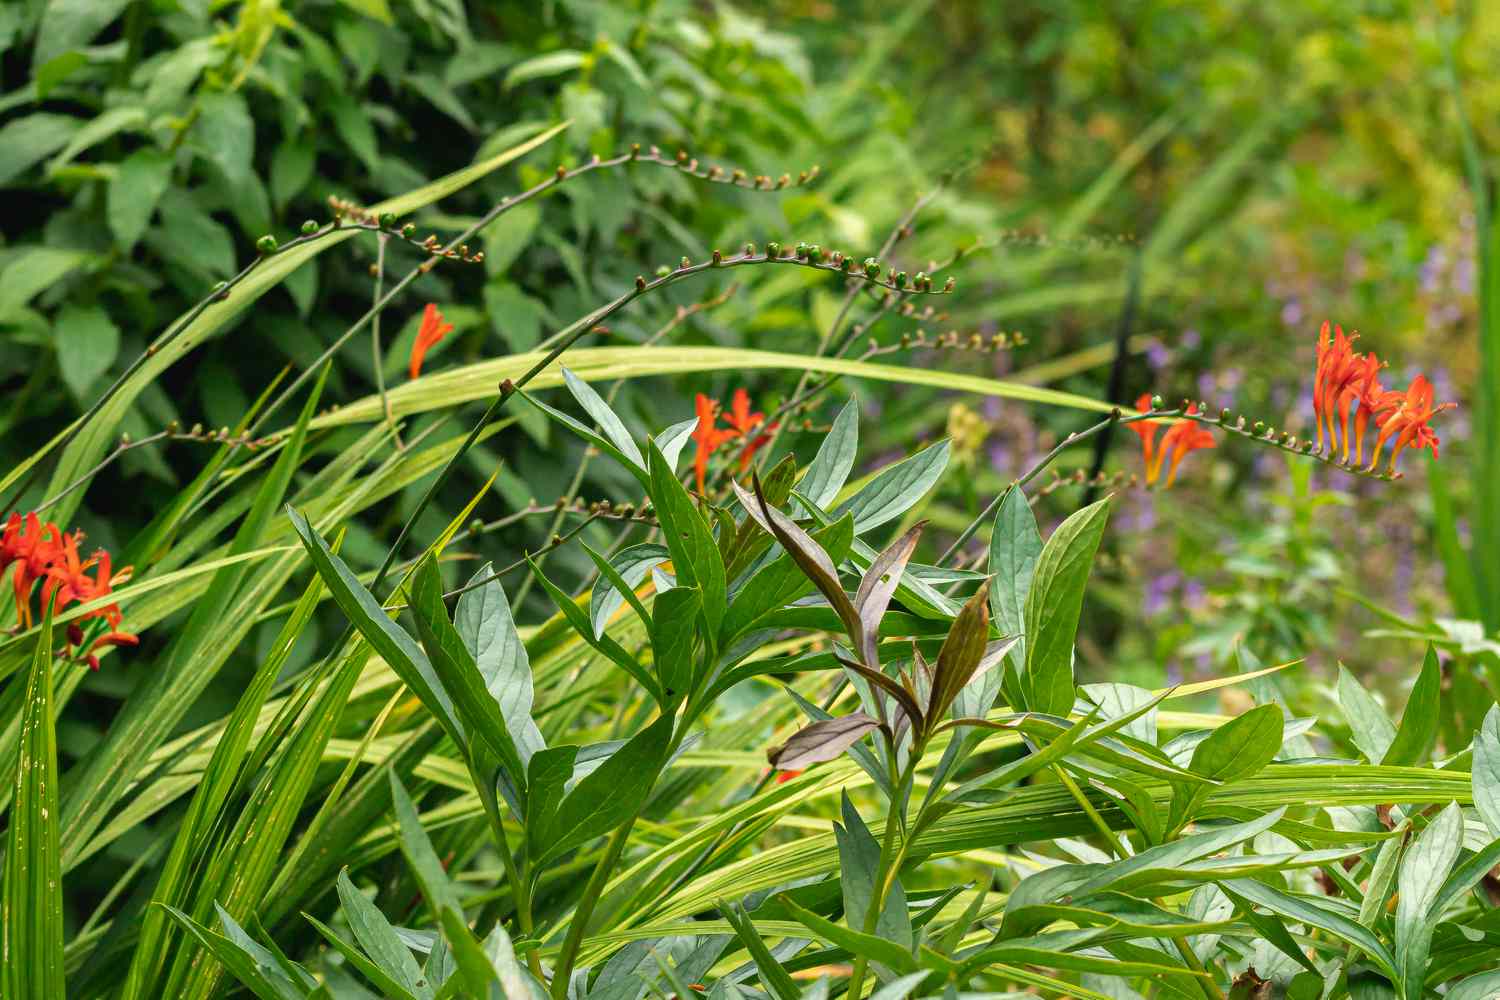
(398, 649)
(437, 889)
(139, 182)
(458, 673)
(695, 554)
(484, 622)
(1053, 604)
(859, 867)
(895, 489)
(674, 625)
(610, 795)
(1419, 722)
(829, 469)
(1369, 726)
(379, 940)
(87, 344)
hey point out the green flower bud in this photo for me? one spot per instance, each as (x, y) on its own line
(309, 227)
(266, 244)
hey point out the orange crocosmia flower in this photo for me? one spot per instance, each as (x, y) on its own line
(1406, 421)
(739, 416)
(743, 424)
(1181, 438)
(707, 436)
(1339, 368)
(32, 545)
(432, 330)
(1362, 399)
(782, 777)
(1146, 429)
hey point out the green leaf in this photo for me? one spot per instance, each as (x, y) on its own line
(261, 975)
(630, 564)
(72, 24)
(1015, 546)
(875, 947)
(25, 142)
(1485, 771)
(609, 795)
(1370, 728)
(1483, 986)
(484, 621)
(896, 489)
(138, 184)
(1241, 746)
(32, 926)
(398, 649)
(674, 625)
(1305, 911)
(546, 778)
(1417, 734)
(378, 9)
(859, 867)
(829, 469)
(379, 939)
(773, 976)
(585, 630)
(781, 582)
(106, 125)
(1382, 877)
(292, 168)
(1053, 605)
(598, 441)
(695, 554)
(438, 890)
(540, 67)
(224, 134)
(87, 342)
(1424, 870)
(32, 271)
(608, 421)
(377, 975)
(457, 672)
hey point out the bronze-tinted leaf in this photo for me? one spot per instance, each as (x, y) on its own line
(962, 652)
(879, 585)
(808, 554)
(820, 741)
(904, 698)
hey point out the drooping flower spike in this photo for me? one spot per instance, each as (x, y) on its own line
(1181, 438)
(432, 330)
(41, 551)
(1346, 388)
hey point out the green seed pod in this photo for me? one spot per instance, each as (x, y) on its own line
(773, 250)
(663, 271)
(266, 244)
(309, 227)
(388, 221)
(1157, 402)
(872, 267)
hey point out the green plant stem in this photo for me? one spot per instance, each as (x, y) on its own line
(886, 870)
(562, 972)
